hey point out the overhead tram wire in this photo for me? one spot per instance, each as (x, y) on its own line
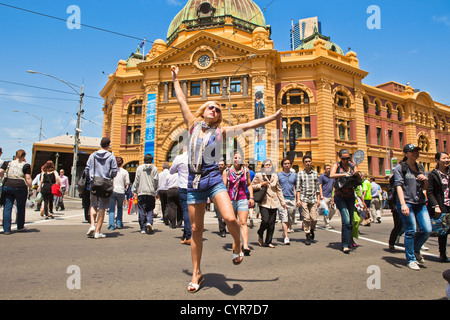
(110, 31)
(119, 34)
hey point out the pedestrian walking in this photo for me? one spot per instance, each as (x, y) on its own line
(411, 182)
(270, 203)
(344, 195)
(222, 225)
(438, 193)
(180, 167)
(49, 177)
(101, 168)
(174, 213)
(377, 200)
(59, 203)
(121, 182)
(367, 196)
(308, 197)
(288, 183)
(326, 185)
(16, 177)
(237, 180)
(145, 186)
(86, 197)
(161, 193)
(204, 177)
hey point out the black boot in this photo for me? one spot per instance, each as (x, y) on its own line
(308, 239)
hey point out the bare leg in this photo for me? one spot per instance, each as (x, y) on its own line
(196, 217)
(101, 217)
(244, 228)
(223, 203)
(93, 214)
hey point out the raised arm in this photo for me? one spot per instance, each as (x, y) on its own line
(252, 124)
(185, 111)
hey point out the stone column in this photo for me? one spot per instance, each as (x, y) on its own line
(245, 85)
(166, 92)
(204, 89)
(224, 87)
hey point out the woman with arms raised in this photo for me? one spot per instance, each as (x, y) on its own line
(205, 180)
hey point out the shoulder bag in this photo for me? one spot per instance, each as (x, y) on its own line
(259, 195)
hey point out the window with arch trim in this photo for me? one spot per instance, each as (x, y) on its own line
(295, 96)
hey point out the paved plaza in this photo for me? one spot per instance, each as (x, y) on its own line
(55, 260)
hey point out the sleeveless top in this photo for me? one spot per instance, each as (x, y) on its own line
(49, 179)
(344, 192)
(210, 173)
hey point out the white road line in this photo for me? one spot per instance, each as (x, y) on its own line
(379, 242)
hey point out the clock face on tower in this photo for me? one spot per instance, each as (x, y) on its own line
(204, 61)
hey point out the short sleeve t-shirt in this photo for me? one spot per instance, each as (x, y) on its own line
(18, 179)
(327, 185)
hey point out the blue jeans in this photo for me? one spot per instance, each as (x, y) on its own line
(116, 198)
(184, 208)
(346, 206)
(20, 196)
(418, 217)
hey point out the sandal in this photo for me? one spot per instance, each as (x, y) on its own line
(237, 256)
(246, 252)
(194, 287)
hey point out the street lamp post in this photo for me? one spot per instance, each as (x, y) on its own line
(40, 119)
(77, 129)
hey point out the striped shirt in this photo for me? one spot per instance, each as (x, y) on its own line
(308, 186)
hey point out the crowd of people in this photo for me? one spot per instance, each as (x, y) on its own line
(239, 192)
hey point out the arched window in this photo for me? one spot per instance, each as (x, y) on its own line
(389, 110)
(135, 107)
(377, 108)
(423, 143)
(366, 105)
(134, 118)
(295, 96)
(342, 100)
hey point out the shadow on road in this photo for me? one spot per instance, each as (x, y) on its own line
(220, 282)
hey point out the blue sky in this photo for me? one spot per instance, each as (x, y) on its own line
(412, 45)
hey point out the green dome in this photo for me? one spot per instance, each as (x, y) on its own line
(201, 14)
(308, 43)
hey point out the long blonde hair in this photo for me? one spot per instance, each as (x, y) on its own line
(198, 116)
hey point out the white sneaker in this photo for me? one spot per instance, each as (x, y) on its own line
(91, 231)
(413, 265)
(286, 241)
(420, 260)
(99, 235)
(149, 228)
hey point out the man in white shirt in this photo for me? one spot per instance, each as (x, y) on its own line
(64, 190)
(161, 193)
(180, 166)
(121, 182)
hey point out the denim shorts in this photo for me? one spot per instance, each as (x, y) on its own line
(240, 205)
(202, 196)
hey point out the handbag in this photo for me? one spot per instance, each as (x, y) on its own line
(441, 225)
(56, 190)
(259, 195)
(101, 187)
(81, 184)
(348, 182)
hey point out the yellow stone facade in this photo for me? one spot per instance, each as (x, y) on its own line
(321, 92)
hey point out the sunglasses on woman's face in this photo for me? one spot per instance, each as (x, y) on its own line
(217, 109)
(344, 159)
